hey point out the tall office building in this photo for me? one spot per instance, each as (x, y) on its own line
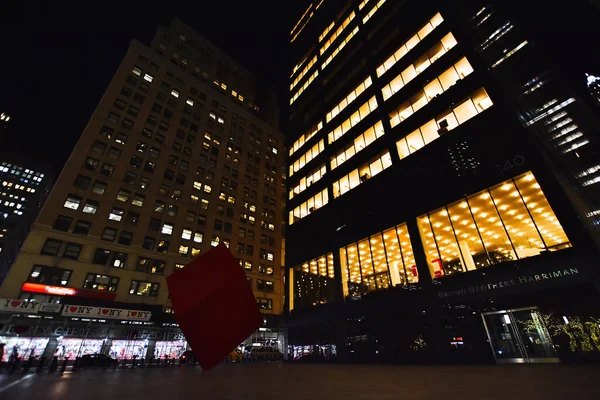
(182, 153)
(22, 194)
(443, 186)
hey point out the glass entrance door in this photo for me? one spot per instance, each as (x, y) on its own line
(519, 336)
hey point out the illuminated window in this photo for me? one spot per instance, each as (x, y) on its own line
(509, 221)
(184, 250)
(305, 137)
(303, 72)
(361, 174)
(336, 51)
(303, 88)
(198, 236)
(434, 88)
(373, 11)
(377, 262)
(307, 157)
(354, 119)
(148, 77)
(313, 282)
(167, 229)
(137, 70)
(190, 102)
(91, 207)
(363, 4)
(174, 93)
(312, 204)
(308, 180)
(141, 288)
(186, 234)
(101, 282)
(116, 214)
(72, 202)
(510, 53)
(336, 33)
(477, 103)
(360, 142)
(412, 42)
(349, 99)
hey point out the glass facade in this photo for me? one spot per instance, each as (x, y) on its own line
(314, 282)
(377, 262)
(509, 221)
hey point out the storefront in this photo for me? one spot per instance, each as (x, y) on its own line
(72, 331)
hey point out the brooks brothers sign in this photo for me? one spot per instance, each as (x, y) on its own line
(510, 282)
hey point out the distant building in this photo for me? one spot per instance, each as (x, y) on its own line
(182, 153)
(444, 185)
(22, 194)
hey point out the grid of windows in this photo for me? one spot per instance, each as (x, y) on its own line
(306, 157)
(364, 85)
(303, 72)
(354, 119)
(315, 202)
(412, 42)
(305, 137)
(359, 143)
(308, 180)
(430, 131)
(361, 174)
(336, 51)
(337, 33)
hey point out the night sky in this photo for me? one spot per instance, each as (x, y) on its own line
(57, 57)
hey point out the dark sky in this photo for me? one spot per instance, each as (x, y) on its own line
(57, 57)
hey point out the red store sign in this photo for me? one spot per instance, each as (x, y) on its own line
(66, 291)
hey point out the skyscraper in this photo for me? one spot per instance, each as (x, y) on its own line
(182, 153)
(442, 185)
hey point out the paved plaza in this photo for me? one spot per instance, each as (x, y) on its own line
(308, 381)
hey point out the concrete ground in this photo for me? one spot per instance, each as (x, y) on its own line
(308, 381)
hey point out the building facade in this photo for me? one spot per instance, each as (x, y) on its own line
(442, 196)
(21, 198)
(182, 153)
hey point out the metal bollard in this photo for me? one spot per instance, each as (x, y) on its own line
(63, 367)
(40, 365)
(53, 364)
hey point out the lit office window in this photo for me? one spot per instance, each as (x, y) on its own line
(167, 229)
(186, 234)
(373, 11)
(308, 180)
(303, 72)
(337, 33)
(354, 119)
(349, 99)
(72, 202)
(427, 133)
(312, 204)
(361, 174)
(313, 282)
(412, 42)
(326, 31)
(305, 137)
(377, 262)
(363, 4)
(509, 221)
(509, 54)
(440, 84)
(336, 51)
(303, 88)
(307, 157)
(360, 142)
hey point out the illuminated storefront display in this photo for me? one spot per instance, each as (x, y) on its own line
(171, 349)
(509, 221)
(75, 347)
(24, 346)
(382, 260)
(126, 349)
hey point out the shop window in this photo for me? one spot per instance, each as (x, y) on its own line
(510, 221)
(101, 282)
(53, 276)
